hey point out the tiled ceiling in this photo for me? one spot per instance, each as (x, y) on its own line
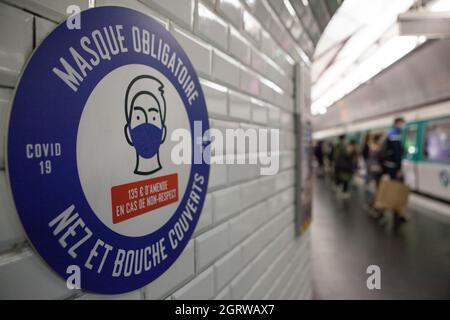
(305, 19)
(360, 41)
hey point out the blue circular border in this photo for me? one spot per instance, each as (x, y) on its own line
(45, 110)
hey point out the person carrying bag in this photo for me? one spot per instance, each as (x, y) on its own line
(391, 192)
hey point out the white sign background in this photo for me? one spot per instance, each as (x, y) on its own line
(105, 159)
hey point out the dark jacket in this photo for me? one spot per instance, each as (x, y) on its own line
(391, 152)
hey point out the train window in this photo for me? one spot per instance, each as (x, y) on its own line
(437, 140)
(410, 148)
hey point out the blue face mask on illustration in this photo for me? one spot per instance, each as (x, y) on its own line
(146, 139)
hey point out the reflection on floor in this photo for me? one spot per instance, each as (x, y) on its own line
(415, 262)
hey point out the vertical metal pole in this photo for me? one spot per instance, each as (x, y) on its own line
(303, 150)
(298, 147)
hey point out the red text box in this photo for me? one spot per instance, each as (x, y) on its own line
(136, 198)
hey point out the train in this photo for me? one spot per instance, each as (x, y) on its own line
(426, 144)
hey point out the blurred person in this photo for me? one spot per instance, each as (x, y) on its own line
(346, 163)
(374, 170)
(339, 149)
(390, 155)
(365, 156)
(330, 152)
(390, 159)
(328, 157)
(318, 153)
(373, 165)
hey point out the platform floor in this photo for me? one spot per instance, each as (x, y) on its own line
(414, 262)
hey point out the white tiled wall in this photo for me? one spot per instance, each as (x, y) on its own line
(17, 46)
(244, 245)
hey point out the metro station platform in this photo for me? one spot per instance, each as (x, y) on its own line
(165, 149)
(414, 262)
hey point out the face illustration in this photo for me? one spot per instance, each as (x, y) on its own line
(146, 110)
(146, 130)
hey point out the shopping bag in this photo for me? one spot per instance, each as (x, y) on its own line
(392, 194)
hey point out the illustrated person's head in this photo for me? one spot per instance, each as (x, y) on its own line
(145, 113)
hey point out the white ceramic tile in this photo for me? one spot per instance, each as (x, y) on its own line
(258, 62)
(51, 9)
(179, 10)
(211, 27)
(249, 81)
(211, 3)
(251, 193)
(134, 295)
(282, 281)
(283, 180)
(198, 52)
(136, 5)
(274, 272)
(26, 276)
(291, 285)
(267, 44)
(227, 267)
(274, 116)
(265, 91)
(217, 176)
(268, 184)
(5, 100)
(283, 277)
(242, 283)
(206, 217)
(232, 10)
(285, 17)
(274, 73)
(239, 46)
(11, 230)
(43, 28)
(287, 121)
(222, 126)
(259, 111)
(274, 204)
(225, 294)
(255, 292)
(201, 288)
(216, 98)
(226, 203)
(285, 61)
(252, 26)
(238, 172)
(287, 160)
(253, 245)
(225, 69)
(239, 106)
(210, 245)
(277, 5)
(261, 269)
(244, 224)
(287, 196)
(182, 270)
(15, 47)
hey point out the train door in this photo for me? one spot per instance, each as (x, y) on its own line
(434, 167)
(411, 145)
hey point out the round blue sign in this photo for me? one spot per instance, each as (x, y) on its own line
(93, 150)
